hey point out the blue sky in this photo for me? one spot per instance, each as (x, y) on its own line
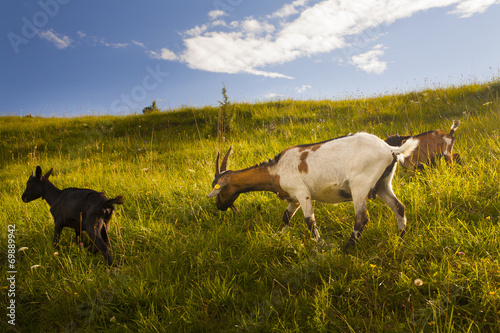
(71, 57)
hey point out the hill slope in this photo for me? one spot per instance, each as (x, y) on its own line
(184, 266)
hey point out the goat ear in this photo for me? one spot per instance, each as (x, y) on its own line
(38, 172)
(48, 173)
(223, 166)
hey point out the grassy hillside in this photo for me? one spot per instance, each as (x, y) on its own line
(181, 265)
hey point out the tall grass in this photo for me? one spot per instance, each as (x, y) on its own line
(183, 266)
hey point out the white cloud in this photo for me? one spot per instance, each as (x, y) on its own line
(216, 14)
(140, 44)
(303, 88)
(276, 96)
(197, 30)
(467, 8)
(303, 28)
(59, 40)
(254, 27)
(166, 54)
(102, 41)
(219, 23)
(115, 45)
(289, 9)
(369, 61)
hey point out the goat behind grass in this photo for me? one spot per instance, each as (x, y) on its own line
(432, 145)
(80, 209)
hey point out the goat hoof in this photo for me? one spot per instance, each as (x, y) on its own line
(284, 230)
(349, 246)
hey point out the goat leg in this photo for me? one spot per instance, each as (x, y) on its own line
(289, 213)
(307, 208)
(311, 224)
(359, 225)
(98, 243)
(57, 232)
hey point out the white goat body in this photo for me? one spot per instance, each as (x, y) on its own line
(348, 168)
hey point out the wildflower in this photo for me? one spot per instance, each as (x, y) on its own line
(24, 248)
(373, 266)
(56, 253)
(460, 253)
(491, 293)
(418, 282)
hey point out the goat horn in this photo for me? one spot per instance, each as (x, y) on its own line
(224, 160)
(217, 164)
(48, 173)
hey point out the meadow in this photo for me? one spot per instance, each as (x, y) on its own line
(184, 266)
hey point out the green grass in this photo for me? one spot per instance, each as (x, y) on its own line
(183, 266)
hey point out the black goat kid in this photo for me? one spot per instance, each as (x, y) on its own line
(80, 209)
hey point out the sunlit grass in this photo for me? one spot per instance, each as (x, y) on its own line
(181, 265)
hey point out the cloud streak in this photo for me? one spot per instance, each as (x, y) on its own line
(302, 28)
(102, 41)
(468, 8)
(59, 40)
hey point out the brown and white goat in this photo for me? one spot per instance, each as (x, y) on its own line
(349, 168)
(80, 209)
(431, 146)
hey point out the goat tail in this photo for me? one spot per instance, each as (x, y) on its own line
(118, 201)
(454, 127)
(406, 149)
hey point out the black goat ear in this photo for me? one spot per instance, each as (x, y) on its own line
(49, 173)
(38, 172)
